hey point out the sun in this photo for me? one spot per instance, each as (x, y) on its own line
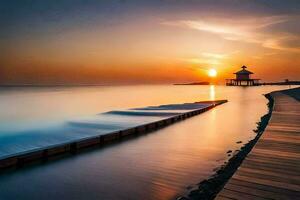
(212, 72)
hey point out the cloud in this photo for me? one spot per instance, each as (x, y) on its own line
(202, 61)
(213, 55)
(247, 29)
(285, 42)
(209, 59)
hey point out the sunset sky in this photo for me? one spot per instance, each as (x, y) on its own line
(143, 41)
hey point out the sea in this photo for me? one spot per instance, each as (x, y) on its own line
(156, 166)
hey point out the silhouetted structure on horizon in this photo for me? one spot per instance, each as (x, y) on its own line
(243, 78)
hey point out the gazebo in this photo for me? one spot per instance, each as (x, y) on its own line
(243, 78)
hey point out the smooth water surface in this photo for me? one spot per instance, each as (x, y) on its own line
(159, 165)
(89, 127)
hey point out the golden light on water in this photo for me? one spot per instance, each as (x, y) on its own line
(212, 72)
(212, 93)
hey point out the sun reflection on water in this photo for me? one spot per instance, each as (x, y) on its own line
(212, 92)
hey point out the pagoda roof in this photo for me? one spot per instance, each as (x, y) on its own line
(243, 71)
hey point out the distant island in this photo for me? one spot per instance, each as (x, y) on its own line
(52, 85)
(194, 83)
(286, 82)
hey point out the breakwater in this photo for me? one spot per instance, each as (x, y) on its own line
(155, 117)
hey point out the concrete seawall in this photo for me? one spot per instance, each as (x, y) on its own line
(72, 147)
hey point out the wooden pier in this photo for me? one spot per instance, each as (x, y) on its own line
(272, 169)
(243, 79)
(43, 154)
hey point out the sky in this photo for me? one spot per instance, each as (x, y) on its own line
(141, 41)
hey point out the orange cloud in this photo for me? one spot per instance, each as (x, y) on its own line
(248, 29)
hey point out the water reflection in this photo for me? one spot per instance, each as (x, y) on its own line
(212, 95)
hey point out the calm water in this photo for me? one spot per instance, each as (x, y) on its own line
(159, 165)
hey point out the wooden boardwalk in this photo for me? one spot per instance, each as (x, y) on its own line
(272, 169)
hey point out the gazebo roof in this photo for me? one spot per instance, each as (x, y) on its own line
(243, 71)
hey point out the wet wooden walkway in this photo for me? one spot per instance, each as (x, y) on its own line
(272, 168)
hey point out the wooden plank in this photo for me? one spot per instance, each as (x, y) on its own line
(263, 158)
(275, 161)
(223, 198)
(257, 192)
(278, 153)
(265, 181)
(278, 177)
(240, 195)
(267, 168)
(271, 156)
(264, 187)
(271, 173)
